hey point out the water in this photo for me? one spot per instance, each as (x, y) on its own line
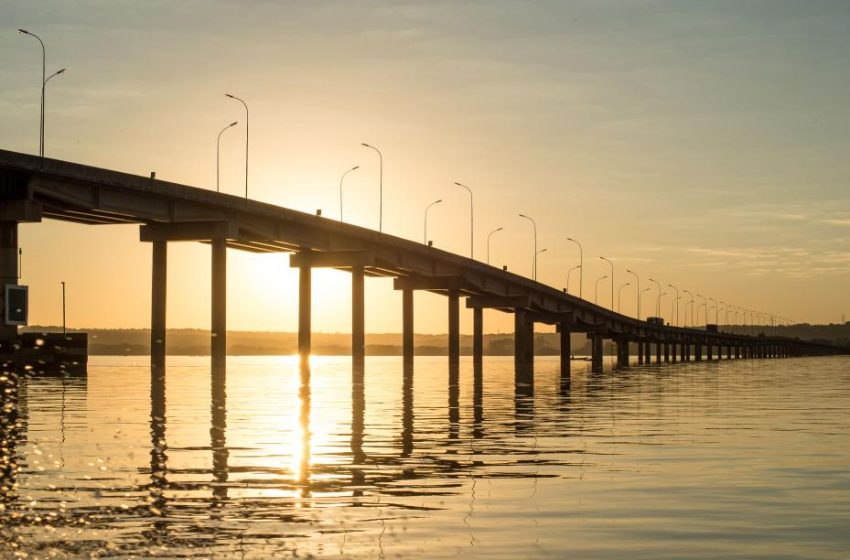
(745, 459)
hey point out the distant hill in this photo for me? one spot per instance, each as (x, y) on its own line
(196, 342)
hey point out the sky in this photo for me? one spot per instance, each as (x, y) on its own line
(702, 144)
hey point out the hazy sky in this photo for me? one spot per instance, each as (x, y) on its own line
(700, 143)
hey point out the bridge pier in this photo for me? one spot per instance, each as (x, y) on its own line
(407, 326)
(673, 352)
(219, 304)
(622, 353)
(523, 347)
(666, 352)
(304, 312)
(159, 283)
(596, 348)
(477, 337)
(358, 317)
(657, 351)
(566, 351)
(454, 329)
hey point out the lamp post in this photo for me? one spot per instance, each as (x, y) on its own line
(725, 314)
(569, 272)
(661, 295)
(44, 103)
(535, 259)
(488, 242)
(342, 177)
(612, 280)
(658, 302)
(676, 302)
(242, 101)
(471, 220)
(534, 264)
(686, 308)
(218, 156)
(380, 185)
(643, 291)
(596, 292)
(698, 308)
(704, 304)
(620, 295)
(581, 265)
(425, 241)
(637, 290)
(43, 81)
(715, 309)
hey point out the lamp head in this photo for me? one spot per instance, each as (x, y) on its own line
(24, 31)
(365, 145)
(234, 123)
(355, 168)
(230, 96)
(500, 229)
(60, 71)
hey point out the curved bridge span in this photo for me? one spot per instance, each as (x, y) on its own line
(33, 189)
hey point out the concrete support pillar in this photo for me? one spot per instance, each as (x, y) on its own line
(477, 336)
(622, 353)
(358, 317)
(683, 349)
(708, 352)
(596, 347)
(8, 275)
(219, 303)
(159, 276)
(454, 328)
(407, 326)
(304, 312)
(657, 351)
(666, 352)
(520, 339)
(697, 352)
(729, 352)
(647, 350)
(673, 352)
(640, 352)
(566, 351)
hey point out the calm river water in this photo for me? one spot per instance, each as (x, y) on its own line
(746, 459)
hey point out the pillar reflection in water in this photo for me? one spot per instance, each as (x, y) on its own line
(218, 434)
(407, 411)
(477, 401)
(358, 409)
(523, 398)
(304, 401)
(454, 402)
(10, 429)
(159, 459)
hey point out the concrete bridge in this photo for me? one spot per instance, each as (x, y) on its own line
(33, 189)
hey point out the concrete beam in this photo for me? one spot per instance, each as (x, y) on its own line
(189, 231)
(432, 283)
(332, 259)
(498, 302)
(20, 211)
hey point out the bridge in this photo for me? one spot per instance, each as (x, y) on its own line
(33, 189)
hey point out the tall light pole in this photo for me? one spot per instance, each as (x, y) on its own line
(43, 81)
(596, 292)
(620, 295)
(535, 260)
(692, 309)
(44, 103)
(676, 301)
(637, 290)
(704, 304)
(581, 266)
(534, 264)
(218, 156)
(643, 291)
(471, 220)
(242, 101)
(425, 241)
(612, 280)
(725, 314)
(661, 295)
(342, 177)
(658, 301)
(715, 309)
(569, 272)
(488, 242)
(380, 185)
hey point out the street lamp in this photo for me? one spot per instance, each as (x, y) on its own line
(355, 168)
(218, 155)
(637, 290)
(640, 296)
(658, 303)
(715, 309)
(676, 301)
(612, 280)
(534, 264)
(686, 309)
(63, 307)
(535, 257)
(471, 219)
(242, 101)
(43, 81)
(581, 265)
(44, 103)
(426, 218)
(569, 272)
(596, 293)
(704, 304)
(488, 242)
(725, 314)
(380, 185)
(620, 295)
